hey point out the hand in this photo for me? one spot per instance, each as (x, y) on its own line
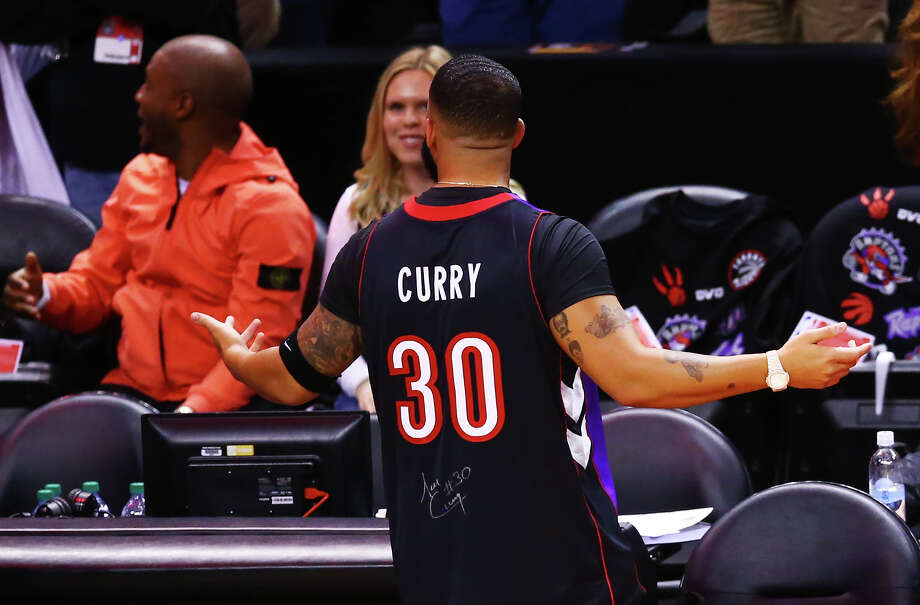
(814, 366)
(24, 288)
(365, 397)
(184, 409)
(231, 344)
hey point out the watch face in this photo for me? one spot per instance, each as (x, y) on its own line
(777, 381)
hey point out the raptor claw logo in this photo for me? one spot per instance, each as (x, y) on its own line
(857, 308)
(745, 268)
(878, 205)
(673, 286)
(876, 260)
(680, 331)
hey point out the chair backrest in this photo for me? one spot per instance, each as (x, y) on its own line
(810, 542)
(54, 231)
(88, 436)
(311, 297)
(625, 214)
(665, 460)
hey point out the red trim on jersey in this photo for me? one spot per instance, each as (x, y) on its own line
(450, 213)
(600, 543)
(612, 503)
(530, 271)
(367, 245)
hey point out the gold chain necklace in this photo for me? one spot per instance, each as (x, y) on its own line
(466, 184)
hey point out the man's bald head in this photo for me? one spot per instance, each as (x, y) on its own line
(214, 72)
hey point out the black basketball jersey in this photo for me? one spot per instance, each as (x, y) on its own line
(860, 264)
(491, 491)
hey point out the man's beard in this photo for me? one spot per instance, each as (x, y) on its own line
(162, 137)
(429, 162)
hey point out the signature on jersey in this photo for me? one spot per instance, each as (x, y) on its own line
(445, 496)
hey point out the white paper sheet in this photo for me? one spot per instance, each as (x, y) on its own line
(653, 525)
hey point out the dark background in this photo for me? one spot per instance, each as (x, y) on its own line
(804, 124)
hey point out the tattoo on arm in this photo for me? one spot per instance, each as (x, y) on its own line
(575, 350)
(560, 323)
(606, 322)
(693, 364)
(328, 342)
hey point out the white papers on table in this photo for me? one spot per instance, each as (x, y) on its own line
(654, 525)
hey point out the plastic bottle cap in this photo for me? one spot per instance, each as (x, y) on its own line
(44, 494)
(54, 487)
(91, 486)
(884, 438)
(136, 488)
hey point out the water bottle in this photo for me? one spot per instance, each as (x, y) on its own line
(102, 509)
(42, 495)
(135, 507)
(884, 482)
(54, 487)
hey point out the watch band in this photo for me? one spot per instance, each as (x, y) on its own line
(773, 363)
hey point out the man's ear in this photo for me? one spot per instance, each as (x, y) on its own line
(429, 132)
(518, 133)
(185, 106)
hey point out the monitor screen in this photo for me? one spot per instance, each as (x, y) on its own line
(257, 464)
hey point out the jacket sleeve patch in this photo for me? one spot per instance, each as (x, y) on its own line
(279, 278)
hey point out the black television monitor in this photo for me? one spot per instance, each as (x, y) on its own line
(257, 464)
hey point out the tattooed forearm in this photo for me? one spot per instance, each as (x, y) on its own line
(329, 343)
(693, 364)
(561, 323)
(575, 350)
(606, 322)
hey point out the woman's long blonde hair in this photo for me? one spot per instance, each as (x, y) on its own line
(381, 184)
(904, 100)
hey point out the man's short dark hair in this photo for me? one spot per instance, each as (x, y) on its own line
(477, 96)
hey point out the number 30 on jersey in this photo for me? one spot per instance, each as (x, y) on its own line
(474, 380)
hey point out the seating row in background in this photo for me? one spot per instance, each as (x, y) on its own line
(719, 271)
(664, 257)
(786, 543)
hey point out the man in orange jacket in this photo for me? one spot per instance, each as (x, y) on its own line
(206, 218)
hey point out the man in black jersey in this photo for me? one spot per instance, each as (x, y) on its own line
(477, 313)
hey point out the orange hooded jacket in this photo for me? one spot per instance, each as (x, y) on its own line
(238, 242)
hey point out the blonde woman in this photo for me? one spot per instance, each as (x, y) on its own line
(393, 169)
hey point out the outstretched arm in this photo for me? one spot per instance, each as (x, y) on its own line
(598, 336)
(328, 343)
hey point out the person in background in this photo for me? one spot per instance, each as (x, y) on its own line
(206, 217)
(791, 21)
(84, 95)
(393, 170)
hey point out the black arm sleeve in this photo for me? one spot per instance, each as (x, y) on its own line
(341, 293)
(567, 263)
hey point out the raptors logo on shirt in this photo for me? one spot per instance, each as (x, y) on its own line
(679, 331)
(745, 268)
(857, 308)
(878, 205)
(876, 259)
